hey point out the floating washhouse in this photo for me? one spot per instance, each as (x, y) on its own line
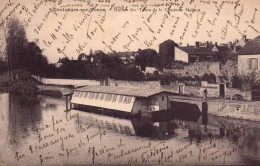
(123, 99)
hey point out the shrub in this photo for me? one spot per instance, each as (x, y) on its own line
(211, 78)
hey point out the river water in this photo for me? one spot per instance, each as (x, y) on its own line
(38, 131)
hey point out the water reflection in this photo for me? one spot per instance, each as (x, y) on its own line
(20, 119)
(24, 116)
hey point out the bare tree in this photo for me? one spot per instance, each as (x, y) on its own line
(3, 41)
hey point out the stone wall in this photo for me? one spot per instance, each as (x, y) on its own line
(212, 89)
(198, 68)
(230, 92)
(135, 84)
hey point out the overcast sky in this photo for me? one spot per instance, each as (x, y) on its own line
(129, 30)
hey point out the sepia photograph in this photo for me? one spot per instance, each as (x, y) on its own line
(129, 82)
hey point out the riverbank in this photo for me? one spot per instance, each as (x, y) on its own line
(55, 90)
(25, 85)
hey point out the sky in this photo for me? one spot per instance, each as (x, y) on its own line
(128, 25)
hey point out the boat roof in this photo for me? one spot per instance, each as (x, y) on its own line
(137, 92)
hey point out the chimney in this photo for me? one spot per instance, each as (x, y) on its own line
(188, 45)
(216, 44)
(230, 45)
(207, 44)
(90, 52)
(244, 37)
(197, 44)
(235, 49)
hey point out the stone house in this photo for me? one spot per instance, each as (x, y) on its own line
(195, 53)
(249, 57)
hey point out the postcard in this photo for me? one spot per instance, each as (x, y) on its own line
(129, 82)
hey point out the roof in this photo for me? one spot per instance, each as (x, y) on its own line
(123, 90)
(223, 49)
(199, 50)
(123, 54)
(258, 37)
(252, 47)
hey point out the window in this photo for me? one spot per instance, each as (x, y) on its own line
(120, 99)
(86, 95)
(108, 97)
(162, 98)
(91, 95)
(81, 94)
(97, 95)
(127, 100)
(114, 98)
(102, 96)
(252, 63)
(76, 94)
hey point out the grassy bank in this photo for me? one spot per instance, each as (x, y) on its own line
(27, 86)
(21, 85)
(4, 82)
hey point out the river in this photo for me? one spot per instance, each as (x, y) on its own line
(38, 131)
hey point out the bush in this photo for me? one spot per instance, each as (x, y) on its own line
(23, 88)
(52, 93)
(236, 82)
(211, 78)
(237, 97)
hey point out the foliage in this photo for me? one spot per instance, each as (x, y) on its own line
(147, 57)
(167, 78)
(178, 65)
(21, 53)
(103, 67)
(229, 70)
(23, 88)
(211, 78)
(33, 60)
(246, 82)
(166, 50)
(81, 56)
(15, 43)
(3, 66)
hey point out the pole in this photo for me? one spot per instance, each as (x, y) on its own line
(66, 103)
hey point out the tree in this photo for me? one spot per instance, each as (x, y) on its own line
(82, 56)
(3, 41)
(34, 60)
(21, 53)
(15, 38)
(229, 69)
(147, 57)
(211, 78)
(167, 54)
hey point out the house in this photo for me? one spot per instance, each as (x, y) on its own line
(195, 53)
(150, 70)
(222, 48)
(249, 57)
(242, 42)
(123, 99)
(85, 57)
(126, 57)
(224, 52)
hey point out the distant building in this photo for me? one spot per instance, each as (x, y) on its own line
(249, 57)
(221, 48)
(85, 57)
(195, 53)
(224, 51)
(126, 57)
(242, 42)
